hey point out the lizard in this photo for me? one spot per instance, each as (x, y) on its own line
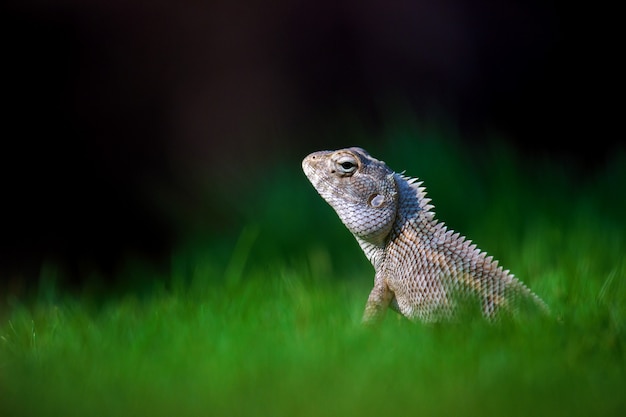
(422, 268)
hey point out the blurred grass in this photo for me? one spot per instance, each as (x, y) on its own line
(265, 320)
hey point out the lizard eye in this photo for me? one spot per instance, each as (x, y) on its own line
(347, 164)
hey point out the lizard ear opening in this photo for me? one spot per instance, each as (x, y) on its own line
(376, 200)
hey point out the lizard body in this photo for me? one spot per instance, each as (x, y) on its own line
(421, 268)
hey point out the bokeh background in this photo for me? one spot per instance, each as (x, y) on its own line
(130, 127)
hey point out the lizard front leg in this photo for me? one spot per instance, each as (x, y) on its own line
(378, 301)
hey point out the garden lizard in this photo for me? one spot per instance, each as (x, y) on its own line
(422, 269)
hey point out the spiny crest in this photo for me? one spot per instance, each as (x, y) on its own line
(450, 237)
(476, 256)
(420, 192)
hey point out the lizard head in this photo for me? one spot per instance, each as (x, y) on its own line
(361, 189)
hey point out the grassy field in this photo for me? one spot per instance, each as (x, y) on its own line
(265, 320)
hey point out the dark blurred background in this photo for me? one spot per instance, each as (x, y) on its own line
(116, 113)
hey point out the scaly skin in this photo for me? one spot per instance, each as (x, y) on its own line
(422, 268)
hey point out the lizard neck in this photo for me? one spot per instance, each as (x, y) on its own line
(375, 252)
(413, 209)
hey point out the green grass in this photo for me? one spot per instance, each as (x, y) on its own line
(265, 321)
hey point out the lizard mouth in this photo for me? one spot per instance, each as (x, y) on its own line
(324, 186)
(309, 171)
(311, 168)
